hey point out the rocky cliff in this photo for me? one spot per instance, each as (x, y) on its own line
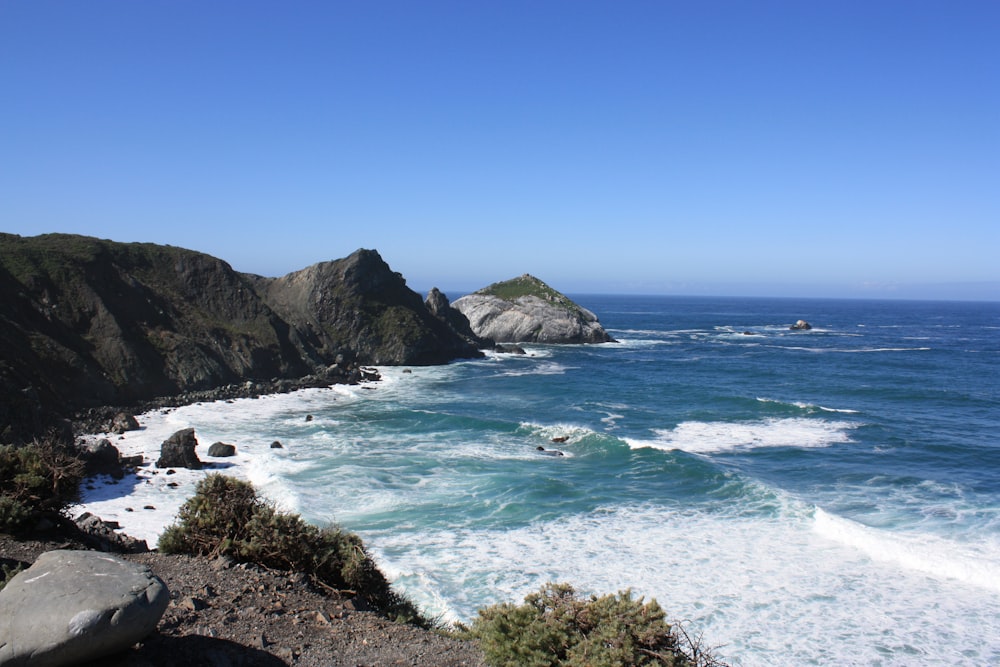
(87, 322)
(526, 310)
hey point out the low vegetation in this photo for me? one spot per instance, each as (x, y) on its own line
(556, 627)
(36, 480)
(227, 517)
(526, 285)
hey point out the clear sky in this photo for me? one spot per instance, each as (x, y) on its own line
(805, 147)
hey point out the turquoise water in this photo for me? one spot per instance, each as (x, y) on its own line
(800, 497)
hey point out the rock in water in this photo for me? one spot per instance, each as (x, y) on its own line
(221, 449)
(801, 325)
(526, 310)
(177, 451)
(74, 606)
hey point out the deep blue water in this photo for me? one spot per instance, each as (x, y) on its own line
(801, 497)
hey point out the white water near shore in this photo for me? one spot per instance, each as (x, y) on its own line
(797, 503)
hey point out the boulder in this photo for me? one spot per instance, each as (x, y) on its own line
(104, 536)
(501, 348)
(801, 325)
(177, 451)
(526, 310)
(101, 458)
(277, 445)
(123, 422)
(221, 449)
(74, 606)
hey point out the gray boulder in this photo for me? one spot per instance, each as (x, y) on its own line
(526, 310)
(221, 449)
(74, 606)
(177, 451)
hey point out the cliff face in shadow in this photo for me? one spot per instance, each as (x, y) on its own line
(360, 304)
(87, 322)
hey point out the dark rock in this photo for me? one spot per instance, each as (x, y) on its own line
(276, 445)
(801, 325)
(131, 461)
(102, 535)
(221, 449)
(101, 458)
(123, 422)
(178, 451)
(309, 418)
(508, 348)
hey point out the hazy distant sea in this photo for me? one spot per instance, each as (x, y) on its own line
(800, 497)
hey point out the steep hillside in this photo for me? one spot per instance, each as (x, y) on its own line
(359, 304)
(87, 322)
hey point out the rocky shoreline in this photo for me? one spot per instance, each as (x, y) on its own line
(222, 613)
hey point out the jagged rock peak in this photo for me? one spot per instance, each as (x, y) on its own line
(526, 310)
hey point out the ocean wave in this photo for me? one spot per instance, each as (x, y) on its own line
(972, 564)
(766, 570)
(807, 406)
(546, 368)
(713, 437)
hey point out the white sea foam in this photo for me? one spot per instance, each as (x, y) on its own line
(807, 406)
(710, 437)
(147, 502)
(545, 368)
(921, 552)
(772, 591)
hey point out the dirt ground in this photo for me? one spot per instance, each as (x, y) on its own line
(223, 614)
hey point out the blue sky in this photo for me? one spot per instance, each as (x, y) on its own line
(806, 148)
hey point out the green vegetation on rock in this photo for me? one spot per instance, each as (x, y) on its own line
(226, 517)
(526, 285)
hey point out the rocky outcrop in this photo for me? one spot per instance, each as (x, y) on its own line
(526, 310)
(359, 306)
(178, 451)
(86, 322)
(437, 302)
(74, 606)
(801, 325)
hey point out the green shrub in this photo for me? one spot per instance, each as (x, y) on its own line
(556, 627)
(7, 573)
(36, 479)
(226, 517)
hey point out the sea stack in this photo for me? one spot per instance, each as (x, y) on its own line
(526, 310)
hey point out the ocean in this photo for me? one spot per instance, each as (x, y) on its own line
(817, 497)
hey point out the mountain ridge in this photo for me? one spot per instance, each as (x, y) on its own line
(86, 322)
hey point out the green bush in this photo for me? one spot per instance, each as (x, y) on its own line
(36, 479)
(556, 627)
(226, 517)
